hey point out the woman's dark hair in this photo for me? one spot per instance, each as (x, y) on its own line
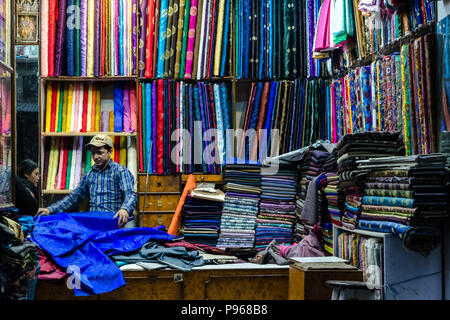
(26, 167)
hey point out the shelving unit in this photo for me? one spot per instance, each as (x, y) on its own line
(404, 274)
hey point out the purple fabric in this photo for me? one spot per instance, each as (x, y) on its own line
(83, 37)
(308, 247)
(126, 109)
(60, 38)
(134, 34)
(142, 39)
(97, 38)
(154, 126)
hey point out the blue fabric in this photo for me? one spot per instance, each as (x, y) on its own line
(246, 40)
(27, 223)
(162, 38)
(118, 107)
(226, 30)
(85, 240)
(148, 124)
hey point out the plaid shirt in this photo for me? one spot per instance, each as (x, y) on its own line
(109, 190)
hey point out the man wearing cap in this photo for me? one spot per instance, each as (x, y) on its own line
(110, 186)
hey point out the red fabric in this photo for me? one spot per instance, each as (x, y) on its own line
(53, 12)
(55, 92)
(65, 151)
(85, 107)
(116, 149)
(160, 129)
(49, 270)
(149, 39)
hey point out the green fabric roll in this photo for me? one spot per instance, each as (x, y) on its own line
(77, 47)
(69, 163)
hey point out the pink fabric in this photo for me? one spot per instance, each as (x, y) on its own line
(308, 247)
(49, 271)
(133, 108)
(322, 40)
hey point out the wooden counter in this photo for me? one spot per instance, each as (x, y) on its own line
(243, 281)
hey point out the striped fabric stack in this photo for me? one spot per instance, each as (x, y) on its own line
(242, 195)
(276, 208)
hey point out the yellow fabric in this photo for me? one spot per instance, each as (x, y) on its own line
(111, 121)
(98, 110)
(123, 151)
(69, 108)
(89, 110)
(15, 227)
(50, 163)
(90, 43)
(48, 107)
(64, 111)
(219, 38)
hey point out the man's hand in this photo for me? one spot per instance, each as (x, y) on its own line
(42, 212)
(123, 217)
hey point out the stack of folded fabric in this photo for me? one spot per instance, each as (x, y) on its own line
(242, 192)
(361, 146)
(327, 237)
(310, 168)
(202, 216)
(410, 190)
(276, 208)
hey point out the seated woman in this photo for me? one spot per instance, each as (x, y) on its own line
(26, 185)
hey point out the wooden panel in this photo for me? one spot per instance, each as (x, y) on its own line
(52, 290)
(237, 285)
(158, 285)
(159, 202)
(159, 183)
(155, 219)
(310, 285)
(204, 178)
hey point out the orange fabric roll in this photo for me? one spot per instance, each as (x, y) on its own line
(176, 219)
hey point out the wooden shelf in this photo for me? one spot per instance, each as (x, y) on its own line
(56, 191)
(77, 134)
(364, 232)
(109, 78)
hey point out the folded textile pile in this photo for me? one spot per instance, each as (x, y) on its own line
(310, 168)
(201, 217)
(242, 193)
(361, 146)
(327, 238)
(409, 190)
(422, 239)
(276, 207)
(19, 262)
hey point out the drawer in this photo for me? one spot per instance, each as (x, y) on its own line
(217, 178)
(159, 202)
(155, 219)
(159, 183)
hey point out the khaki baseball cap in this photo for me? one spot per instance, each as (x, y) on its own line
(100, 140)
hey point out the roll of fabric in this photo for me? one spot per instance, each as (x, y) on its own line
(149, 39)
(123, 150)
(133, 112)
(118, 107)
(170, 13)
(142, 36)
(60, 38)
(69, 162)
(155, 130)
(70, 103)
(77, 40)
(84, 36)
(44, 23)
(160, 128)
(126, 109)
(191, 38)
(197, 40)
(131, 157)
(187, 16)
(162, 38)
(97, 41)
(48, 106)
(179, 44)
